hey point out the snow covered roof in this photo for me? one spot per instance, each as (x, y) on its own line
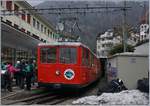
(142, 49)
(129, 54)
(62, 43)
(107, 34)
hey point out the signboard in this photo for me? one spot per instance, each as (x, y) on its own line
(111, 72)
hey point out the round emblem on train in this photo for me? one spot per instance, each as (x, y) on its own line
(69, 74)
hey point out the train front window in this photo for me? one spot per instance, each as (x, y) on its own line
(48, 55)
(68, 55)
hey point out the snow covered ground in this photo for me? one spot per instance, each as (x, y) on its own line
(127, 97)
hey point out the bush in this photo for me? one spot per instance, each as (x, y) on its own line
(119, 49)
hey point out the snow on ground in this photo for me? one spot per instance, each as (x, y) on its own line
(127, 97)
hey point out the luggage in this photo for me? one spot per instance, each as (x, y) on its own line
(112, 87)
(143, 85)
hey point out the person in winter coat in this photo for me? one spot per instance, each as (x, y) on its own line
(4, 75)
(17, 74)
(29, 74)
(33, 79)
(11, 70)
(22, 73)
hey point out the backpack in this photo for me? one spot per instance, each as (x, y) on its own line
(29, 68)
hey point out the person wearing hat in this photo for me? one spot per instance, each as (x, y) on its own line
(11, 70)
(17, 74)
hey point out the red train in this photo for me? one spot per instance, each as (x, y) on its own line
(67, 64)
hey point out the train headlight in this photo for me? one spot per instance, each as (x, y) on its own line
(57, 72)
(69, 74)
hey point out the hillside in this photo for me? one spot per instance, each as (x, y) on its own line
(93, 23)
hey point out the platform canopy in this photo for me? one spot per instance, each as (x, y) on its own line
(11, 37)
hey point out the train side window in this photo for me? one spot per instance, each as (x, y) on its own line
(85, 57)
(43, 55)
(48, 55)
(51, 55)
(91, 59)
(68, 55)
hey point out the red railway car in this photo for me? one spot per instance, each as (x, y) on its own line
(67, 64)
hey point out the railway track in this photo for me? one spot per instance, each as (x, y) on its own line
(51, 100)
(57, 101)
(10, 95)
(15, 93)
(45, 98)
(28, 98)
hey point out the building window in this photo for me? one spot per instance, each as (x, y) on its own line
(134, 39)
(28, 32)
(23, 15)
(9, 22)
(1, 3)
(38, 25)
(16, 26)
(34, 22)
(103, 53)
(41, 28)
(9, 5)
(45, 30)
(28, 18)
(51, 33)
(35, 36)
(142, 26)
(16, 9)
(48, 31)
(22, 29)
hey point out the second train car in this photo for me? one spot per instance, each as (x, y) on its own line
(67, 64)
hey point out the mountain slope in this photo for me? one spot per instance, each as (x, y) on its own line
(92, 24)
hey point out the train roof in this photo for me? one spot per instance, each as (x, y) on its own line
(65, 44)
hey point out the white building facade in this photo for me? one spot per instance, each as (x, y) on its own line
(133, 39)
(20, 15)
(144, 32)
(105, 42)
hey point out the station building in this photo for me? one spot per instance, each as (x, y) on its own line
(22, 28)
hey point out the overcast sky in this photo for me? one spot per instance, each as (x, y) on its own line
(36, 2)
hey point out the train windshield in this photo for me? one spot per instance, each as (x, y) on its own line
(48, 55)
(68, 55)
